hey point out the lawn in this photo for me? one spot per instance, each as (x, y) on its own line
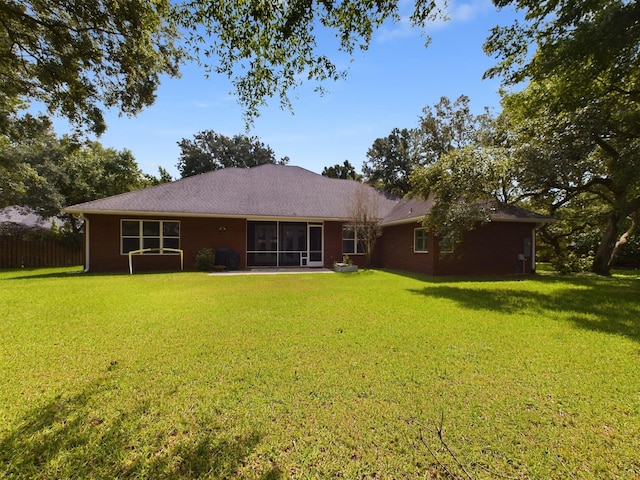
(367, 375)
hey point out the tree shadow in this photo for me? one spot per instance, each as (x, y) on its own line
(32, 274)
(599, 304)
(64, 438)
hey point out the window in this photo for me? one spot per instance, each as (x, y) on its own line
(159, 234)
(446, 244)
(420, 243)
(350, 242)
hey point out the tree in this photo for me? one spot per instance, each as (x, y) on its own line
(365, 218)
(269, 47)
(78, 56)
(448, 126)
(463, 165)
(28, 147)
(346, 171)
(390, 162)
(60, 171)
(467, 185)
(163, 177)
(590, 156)
(210, 151)
(589, 137)
(443, 127)
(90, 172)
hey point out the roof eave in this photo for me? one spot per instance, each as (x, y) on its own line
(157, 213)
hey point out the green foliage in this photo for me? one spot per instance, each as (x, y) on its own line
(577, 135)
(267, 48)
(209, 151)
(390, 162)
(557, 39)
(572, 262)
(78, 57)
(469, 171)
(346, 171)
(47, 173)
(205, 260)
(317, 376)
(445, 127)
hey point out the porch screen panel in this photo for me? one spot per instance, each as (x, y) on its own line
(293, 242)
(262, 243)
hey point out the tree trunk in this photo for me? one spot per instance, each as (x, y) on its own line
(624, 238)
(603, 258)
(552, 240)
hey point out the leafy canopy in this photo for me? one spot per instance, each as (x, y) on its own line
(445, 126)
(268, 48)
(78, 56)
(346, 171)
(577, 121)
(209, 151)
(45, 173)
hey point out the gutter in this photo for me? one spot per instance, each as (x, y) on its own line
(86, 243)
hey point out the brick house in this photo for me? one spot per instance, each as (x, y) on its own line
(284, 216)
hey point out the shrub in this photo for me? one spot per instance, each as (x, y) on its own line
(204, 260)
(573, 263)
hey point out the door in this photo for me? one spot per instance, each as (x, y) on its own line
(315, 256)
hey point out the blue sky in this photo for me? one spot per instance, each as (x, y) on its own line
(387, 87)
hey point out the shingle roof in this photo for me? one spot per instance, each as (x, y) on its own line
(264, 191)
(279, 191)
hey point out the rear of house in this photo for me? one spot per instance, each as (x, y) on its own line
(284, 216)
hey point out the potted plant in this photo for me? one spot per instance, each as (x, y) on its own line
(345, 266)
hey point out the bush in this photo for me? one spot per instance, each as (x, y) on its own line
(204, 260)
(573, 263)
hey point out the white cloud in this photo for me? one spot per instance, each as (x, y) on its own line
(466, 11)
(454, 11)
(393, 31)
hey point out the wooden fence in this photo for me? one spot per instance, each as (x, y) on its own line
(38, 253)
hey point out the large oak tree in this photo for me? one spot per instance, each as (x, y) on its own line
(78, 57)
(578, 120)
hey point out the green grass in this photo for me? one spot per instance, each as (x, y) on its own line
(185, 375)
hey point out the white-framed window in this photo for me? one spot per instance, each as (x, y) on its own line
(350, 242)
(446, 244)
(157, 234)
(420, 240)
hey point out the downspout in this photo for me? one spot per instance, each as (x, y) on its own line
(86, 242)
(533, 247)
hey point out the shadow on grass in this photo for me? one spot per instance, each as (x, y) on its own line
(65, 439)
(33, 274)
(609, 305)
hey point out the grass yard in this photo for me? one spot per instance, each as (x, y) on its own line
(367, 375)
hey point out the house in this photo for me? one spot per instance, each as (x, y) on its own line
(20, 219)
(283, 216)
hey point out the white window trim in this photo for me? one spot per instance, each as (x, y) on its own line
(355, 240)
(141, 237)
(426, 250)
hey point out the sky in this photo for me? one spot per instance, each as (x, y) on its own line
(387, 87)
